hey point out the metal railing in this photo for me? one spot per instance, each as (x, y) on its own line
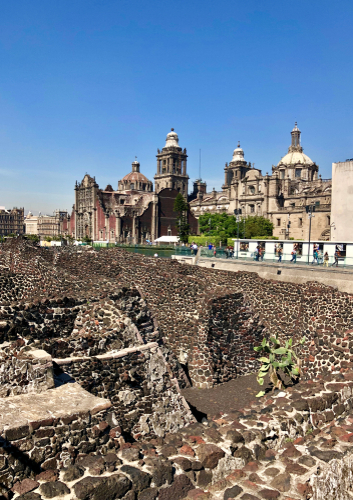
(266, 257)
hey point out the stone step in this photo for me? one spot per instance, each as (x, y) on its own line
(23, 410)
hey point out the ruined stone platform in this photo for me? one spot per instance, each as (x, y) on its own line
(65, 401)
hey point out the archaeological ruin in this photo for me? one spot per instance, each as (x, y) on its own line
(97, 348)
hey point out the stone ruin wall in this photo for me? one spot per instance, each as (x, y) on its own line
(205, 324)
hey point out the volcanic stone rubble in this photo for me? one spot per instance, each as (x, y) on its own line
(95, 346)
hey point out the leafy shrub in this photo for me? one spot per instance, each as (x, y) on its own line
(279, 358)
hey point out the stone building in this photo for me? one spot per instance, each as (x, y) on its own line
(11, 221)
(134, 212)
(46, 225)
(281, 197)
(31, 224)
(342, 201)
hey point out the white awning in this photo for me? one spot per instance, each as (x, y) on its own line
(167, 239)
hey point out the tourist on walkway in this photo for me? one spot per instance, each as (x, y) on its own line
(326, 259)
(279, 253)
(294, 256)
(257, 253)
(337, 254)
(319, 257)
(315, 255)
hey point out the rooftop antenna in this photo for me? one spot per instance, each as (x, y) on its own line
(200, 164)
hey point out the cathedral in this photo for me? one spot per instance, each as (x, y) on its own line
(134, 213)
(281, 197)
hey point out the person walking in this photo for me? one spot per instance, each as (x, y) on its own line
(279, 253)
(315, 255)
(336, 255)
(294, 256)
(257, 253)
(326, 259)
(261, 257)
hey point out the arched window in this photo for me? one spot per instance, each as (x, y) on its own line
(132, 186)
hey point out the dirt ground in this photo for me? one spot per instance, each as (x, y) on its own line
(229, 397)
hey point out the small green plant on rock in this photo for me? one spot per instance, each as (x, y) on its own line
(279, 358)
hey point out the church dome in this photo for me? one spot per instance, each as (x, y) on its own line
(135, 176)
(295, 155)
(238, 154)
(172, 140)
(135, 180)
(295, 158)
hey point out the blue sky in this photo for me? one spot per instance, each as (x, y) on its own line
(85, 85)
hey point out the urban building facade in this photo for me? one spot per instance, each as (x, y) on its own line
(134, 213)
(281, 197)
(47, 225)
(342, 201)
(11, 221)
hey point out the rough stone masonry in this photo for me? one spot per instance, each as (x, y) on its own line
(94, 348)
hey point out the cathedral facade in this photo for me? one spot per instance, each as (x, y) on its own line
(281, 197)
(134, 212)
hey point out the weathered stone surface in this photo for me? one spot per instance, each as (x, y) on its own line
(204, 478)
(184, 463)
(232, 492)
(209, 455)
(326, 456)
(53, 489)
(73, 472)
(30, 496)
(281, 482)
(162, 473)
(178, 490)
(25, 486)
(269, 494)
(97, 488)
(140, 480)
(148, 494)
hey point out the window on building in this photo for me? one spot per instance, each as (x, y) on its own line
(317, 203)
(328, 220)
(282, 174)
(278, 222)
(300, 222)
(298, 172)
(292, 205)
(252, 189)
(132, 186)
(122, 202)
(252, 209)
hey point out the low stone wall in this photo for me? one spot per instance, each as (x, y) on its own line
(47, 430)
(145, 398)
(21, 374)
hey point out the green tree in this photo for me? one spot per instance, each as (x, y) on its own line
(225, 226)
(181, 208)
(33, 237)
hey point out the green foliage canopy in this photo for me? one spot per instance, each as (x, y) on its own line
(225, 226)
(181, 207)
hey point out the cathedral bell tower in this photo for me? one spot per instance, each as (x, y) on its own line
(171, 166)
